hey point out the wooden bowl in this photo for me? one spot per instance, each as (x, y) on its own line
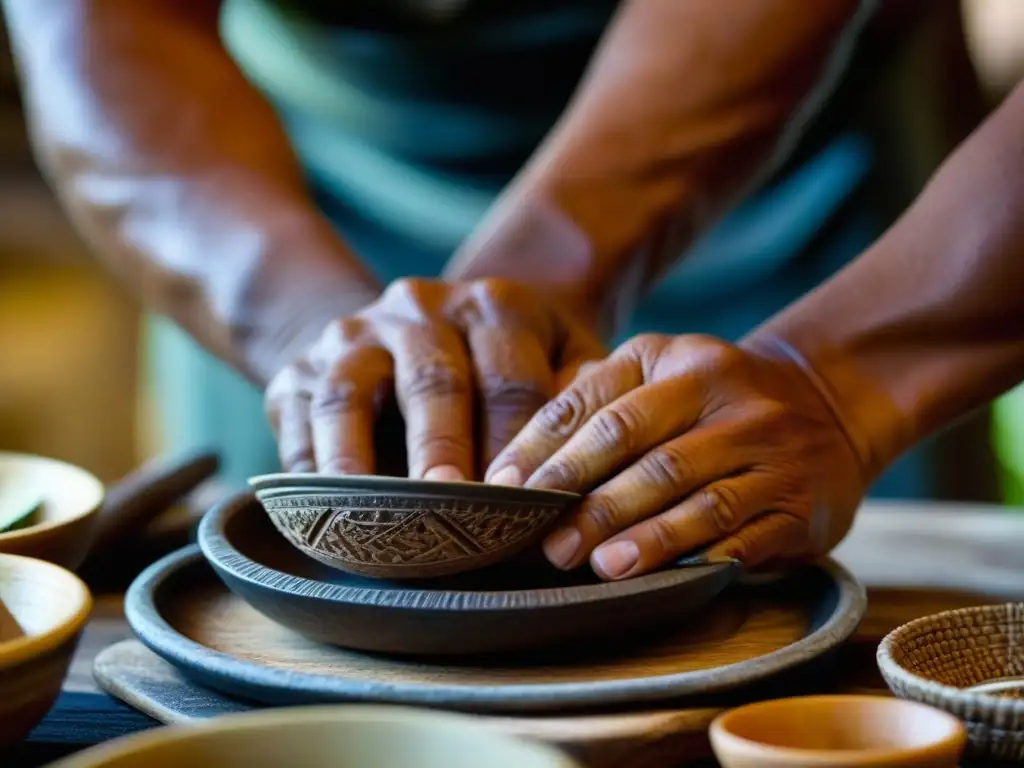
(50, 606)
(963, 662)
(325, 737)
(395, 528)
(838, 732)
(63, 528)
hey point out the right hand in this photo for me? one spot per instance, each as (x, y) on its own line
(443, 349)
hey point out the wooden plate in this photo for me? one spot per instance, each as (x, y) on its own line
(512, 606)
(180, 609)
(652, 739)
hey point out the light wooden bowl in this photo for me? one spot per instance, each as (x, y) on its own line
(324, 737)
(71, 502)
(965, 662)
(838, 732)
(50, 606)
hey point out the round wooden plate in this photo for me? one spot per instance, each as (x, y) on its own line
(508, 607)
(180, 609)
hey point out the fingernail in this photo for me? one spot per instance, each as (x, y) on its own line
(615, 560)
(561, 547)
(443, 474)
(509, 475)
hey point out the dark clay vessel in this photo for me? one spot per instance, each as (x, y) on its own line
(515, 605)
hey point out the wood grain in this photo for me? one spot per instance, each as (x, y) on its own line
(732, 631)
(967, 560)
(658, 739)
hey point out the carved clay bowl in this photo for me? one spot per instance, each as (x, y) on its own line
(396, 528)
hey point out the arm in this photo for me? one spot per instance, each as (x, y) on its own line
(928, 324)
(177, 173)
(685, 105)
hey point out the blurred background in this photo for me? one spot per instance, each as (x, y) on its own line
(72, 360)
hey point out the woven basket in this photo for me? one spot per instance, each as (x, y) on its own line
(938, 659)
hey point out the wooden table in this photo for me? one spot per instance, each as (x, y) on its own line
(915, 559)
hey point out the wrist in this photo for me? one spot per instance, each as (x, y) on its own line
(292, 294)
(529, 239)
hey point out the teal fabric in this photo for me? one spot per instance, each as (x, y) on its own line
(410, 116)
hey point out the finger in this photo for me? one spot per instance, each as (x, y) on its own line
(287, 408)
(623, 431)
(514, 379)
(660, 478)
(433, 385)
(294, 439)
(553, 425)
(778, 538)
(343, 409)
(711, 514)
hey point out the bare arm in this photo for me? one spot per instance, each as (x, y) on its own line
(929, 323)
(684, 106)
(179, 175)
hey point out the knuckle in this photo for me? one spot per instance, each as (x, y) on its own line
(720, 504)
(496, 389)
(337, 397)
(667, 466)
(432, 377)
(563, 415)
(438, 447)
(616, 426)
(720, 357)
(664, 534)
(559, 475)
(646, 344)
(603, 513)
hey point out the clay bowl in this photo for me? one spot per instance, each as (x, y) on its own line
(970, 663)
(838, 732)
(62, 530)
(43, 609)
(324, 737)
(395, 528)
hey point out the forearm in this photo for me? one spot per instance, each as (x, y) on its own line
(928, 324)
(178, 174)
(685, 106)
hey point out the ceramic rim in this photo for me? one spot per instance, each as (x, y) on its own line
(98, 492)
(291, 484)
(31, 646)
(189, 656)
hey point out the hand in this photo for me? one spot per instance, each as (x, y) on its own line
(443, 349)
(685, 443)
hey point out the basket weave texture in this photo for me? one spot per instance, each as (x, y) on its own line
(934, 660)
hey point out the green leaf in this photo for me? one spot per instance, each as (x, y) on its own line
(19, 507)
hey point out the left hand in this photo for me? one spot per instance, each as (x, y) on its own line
(684, 443)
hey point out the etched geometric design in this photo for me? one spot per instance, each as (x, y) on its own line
(400, 531)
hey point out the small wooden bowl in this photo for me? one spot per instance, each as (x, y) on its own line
(325, 737)
(71, 501)
(838, 732)
(50, 606)
(952, 660)
(395, 528)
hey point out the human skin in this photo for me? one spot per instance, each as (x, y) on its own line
(762, 451)
(177, 172)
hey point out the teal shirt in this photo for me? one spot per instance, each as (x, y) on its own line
(415, 113)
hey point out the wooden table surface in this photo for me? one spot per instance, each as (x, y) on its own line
(915, 559)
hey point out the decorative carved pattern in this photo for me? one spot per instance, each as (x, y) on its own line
(367, 533)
